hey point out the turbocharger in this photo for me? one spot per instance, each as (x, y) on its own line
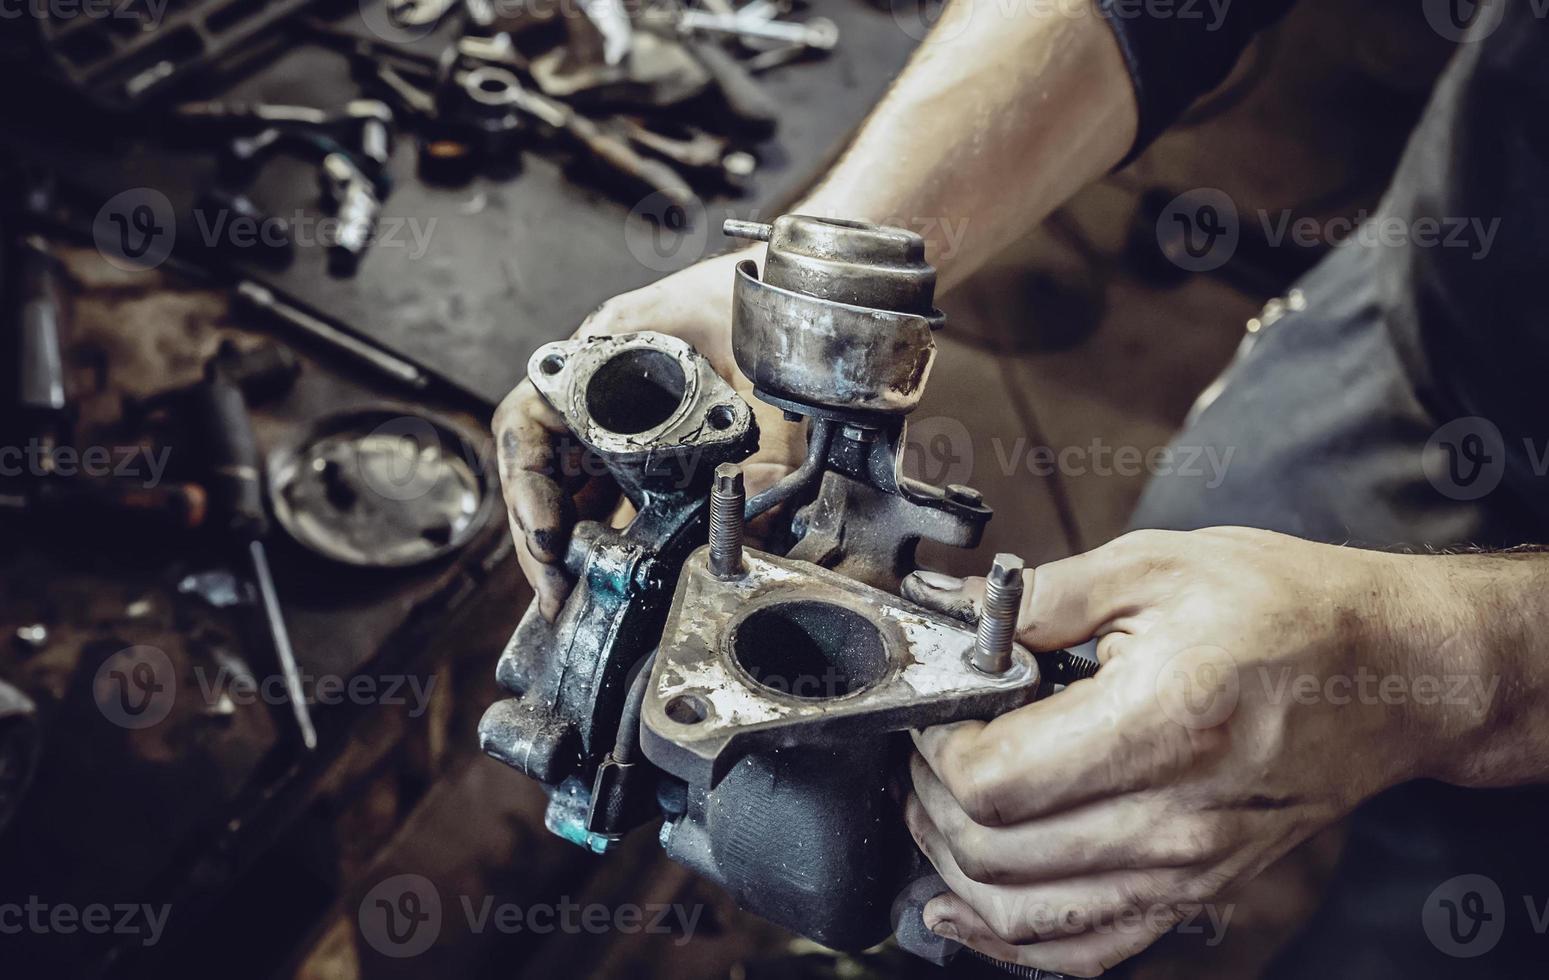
(755, 701)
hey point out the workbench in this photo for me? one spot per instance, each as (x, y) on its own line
(212, 811)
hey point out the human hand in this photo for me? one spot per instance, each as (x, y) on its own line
(548, 485)
(1076, 831)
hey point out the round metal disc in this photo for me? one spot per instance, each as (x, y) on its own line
(380, 489)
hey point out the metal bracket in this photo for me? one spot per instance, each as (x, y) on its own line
(790, 654)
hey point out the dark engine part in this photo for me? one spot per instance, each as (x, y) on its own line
(771, 697)
(765, 715)
(659, 417)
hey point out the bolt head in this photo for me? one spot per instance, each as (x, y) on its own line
(728, 476)
(964, 495)
(1006, 568)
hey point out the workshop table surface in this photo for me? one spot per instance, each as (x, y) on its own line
(468, 281)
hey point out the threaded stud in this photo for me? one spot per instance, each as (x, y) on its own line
(998, 618)
(728, 497)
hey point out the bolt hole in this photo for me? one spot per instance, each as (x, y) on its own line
(688, 709)
(552, 364)
(721, 417)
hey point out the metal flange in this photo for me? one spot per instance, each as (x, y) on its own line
(648, 403)
(790, 654)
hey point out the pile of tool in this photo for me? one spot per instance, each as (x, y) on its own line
(657, 100)
(382, 488)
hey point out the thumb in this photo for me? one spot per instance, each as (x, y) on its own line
(949, 595)
(1064, 603)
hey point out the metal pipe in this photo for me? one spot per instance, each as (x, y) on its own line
(811, 468)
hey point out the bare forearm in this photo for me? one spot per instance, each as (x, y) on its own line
(1488, 623)
(1001, 115)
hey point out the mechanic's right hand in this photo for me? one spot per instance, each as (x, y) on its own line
(548, 486)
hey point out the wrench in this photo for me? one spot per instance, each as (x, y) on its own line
(818, 32)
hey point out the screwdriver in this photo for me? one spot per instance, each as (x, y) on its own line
(218, 409)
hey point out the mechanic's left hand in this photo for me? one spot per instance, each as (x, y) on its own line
(1077, 830)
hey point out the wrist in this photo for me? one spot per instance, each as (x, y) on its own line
(1463, 635)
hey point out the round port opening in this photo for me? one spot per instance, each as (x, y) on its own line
(809, 649)
(636, 390)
